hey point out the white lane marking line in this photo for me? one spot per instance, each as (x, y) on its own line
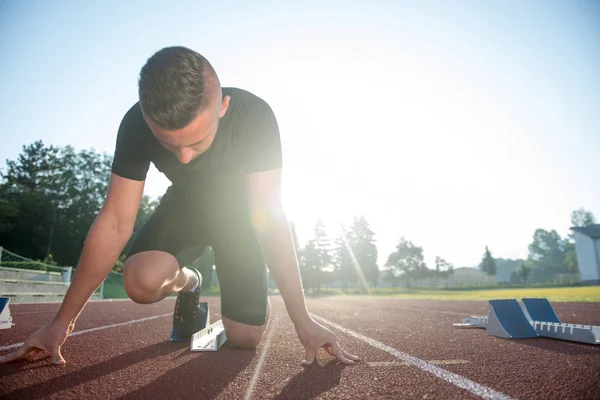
(12, 346)
(97, 329)
(35, 312)
(404, 363)
(259, 366)
(457, 380)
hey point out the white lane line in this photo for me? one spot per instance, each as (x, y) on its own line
(457, 380)
(261, 360)
(35, 312)
(97, 329)
(404, 363)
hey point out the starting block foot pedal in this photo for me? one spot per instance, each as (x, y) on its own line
(210, 338)
(540, 310)
(507, 320)
(5, 317)
(203, 322)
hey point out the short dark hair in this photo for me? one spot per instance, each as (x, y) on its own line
(175, 84)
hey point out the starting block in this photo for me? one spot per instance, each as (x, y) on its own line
(209, 337)
(509, 320)
(5, 317)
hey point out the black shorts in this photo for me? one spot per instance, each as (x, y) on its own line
(184, 224)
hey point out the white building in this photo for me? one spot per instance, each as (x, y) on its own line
(587, 246)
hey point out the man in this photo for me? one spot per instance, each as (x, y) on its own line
(221, 150)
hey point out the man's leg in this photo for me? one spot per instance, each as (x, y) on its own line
(245, 336)
(150, 276)
(172, 238)
(243, 282)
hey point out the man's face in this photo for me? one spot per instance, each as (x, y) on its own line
(194, 139)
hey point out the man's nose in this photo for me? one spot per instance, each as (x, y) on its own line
(184, 155)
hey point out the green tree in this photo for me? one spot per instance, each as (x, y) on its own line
(443, 269)
(323, 249)
(365, 250)
(407, 261)
(582, 217)
(523, 271)
(488, 265)
(26, 209)
(342, 260)
(309, 266)
(390, 277)
(547, 255)
(50, 198)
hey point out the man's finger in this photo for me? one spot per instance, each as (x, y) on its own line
(23, 352)
(328, 349)
(350, 356)
(57, 357)
(338, 353)
(310, 356)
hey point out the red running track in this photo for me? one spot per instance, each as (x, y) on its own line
(409, 348)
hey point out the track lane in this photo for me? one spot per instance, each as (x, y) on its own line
(135, 361)
(529, 368)
(282, 376)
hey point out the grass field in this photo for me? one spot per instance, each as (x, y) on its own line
(564, 294)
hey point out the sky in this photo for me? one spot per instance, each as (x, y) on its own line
(454, 124)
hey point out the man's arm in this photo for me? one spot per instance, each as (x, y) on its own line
(104, 243)
(273, 230)
(106, 239)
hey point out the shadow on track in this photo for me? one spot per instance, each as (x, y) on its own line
(203, 377)
(185, 380)
(77, 376)
(313, 381)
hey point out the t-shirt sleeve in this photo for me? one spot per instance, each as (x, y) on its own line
(261, 141)
(131, 159)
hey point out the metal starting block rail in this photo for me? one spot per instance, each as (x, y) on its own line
(210, 338)
(535, 318)
(5, 317)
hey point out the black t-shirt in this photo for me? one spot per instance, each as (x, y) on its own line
(247, 141)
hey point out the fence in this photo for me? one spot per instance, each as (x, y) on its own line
(11, 260)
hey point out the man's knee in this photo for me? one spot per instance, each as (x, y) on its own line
(244, 340)
(145, 273)
(243, 336)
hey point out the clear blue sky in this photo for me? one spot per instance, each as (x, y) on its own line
(456, 124)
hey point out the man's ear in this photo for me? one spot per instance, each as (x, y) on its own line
(224, 106)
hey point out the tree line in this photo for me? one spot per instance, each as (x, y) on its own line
(50, 196)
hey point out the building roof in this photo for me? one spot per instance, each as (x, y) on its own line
(592, 231)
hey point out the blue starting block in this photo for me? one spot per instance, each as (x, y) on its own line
(5, 317)
(203, 322)
(507, 319)
(540, 310)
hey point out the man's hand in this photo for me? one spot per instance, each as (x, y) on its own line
(48, 338)
(314, 336)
